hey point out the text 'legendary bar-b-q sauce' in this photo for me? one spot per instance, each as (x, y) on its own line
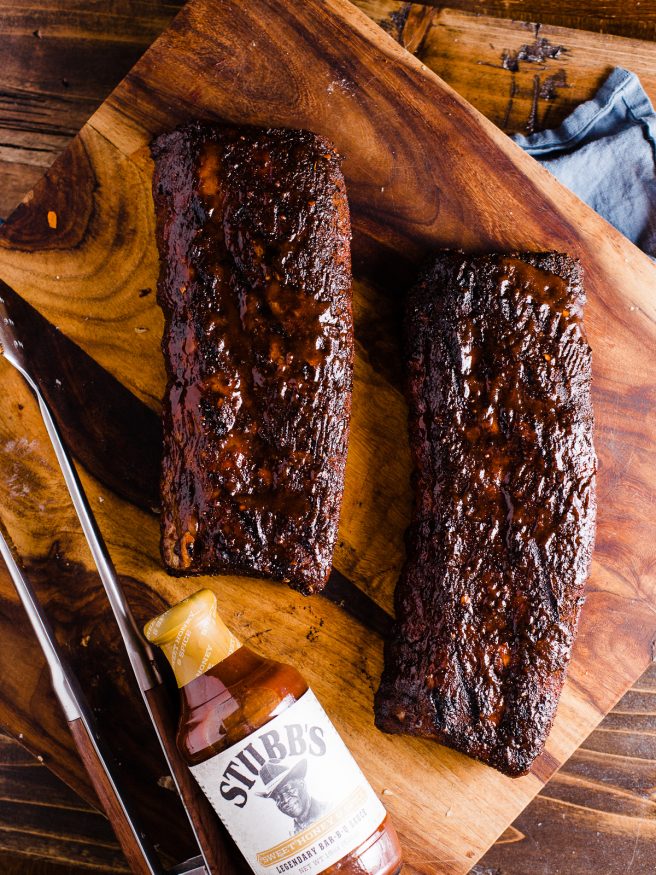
(266, 755)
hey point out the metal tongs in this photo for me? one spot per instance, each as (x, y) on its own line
(90, 744)
(214, 859)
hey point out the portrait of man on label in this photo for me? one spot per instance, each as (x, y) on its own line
(288, 789)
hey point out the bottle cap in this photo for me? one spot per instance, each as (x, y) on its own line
(193, 636)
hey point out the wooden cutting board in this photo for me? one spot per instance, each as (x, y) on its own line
(423, 170)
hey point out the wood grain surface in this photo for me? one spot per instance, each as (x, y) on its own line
(527, 77)
(375, 337)
(63, 60)
(40, 817)
(632, 18)
(56, 69)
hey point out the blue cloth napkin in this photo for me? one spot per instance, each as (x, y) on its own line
(605, 152)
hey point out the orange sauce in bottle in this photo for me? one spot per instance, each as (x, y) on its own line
(267, 756)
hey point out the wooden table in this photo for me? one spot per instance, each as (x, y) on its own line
(61, 59)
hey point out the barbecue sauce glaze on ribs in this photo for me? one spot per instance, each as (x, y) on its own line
(500, 543)
(255, 284)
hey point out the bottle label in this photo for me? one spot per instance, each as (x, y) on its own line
(291, 795)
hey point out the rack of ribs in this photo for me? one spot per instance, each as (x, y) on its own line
(500, 543)
(254, 239)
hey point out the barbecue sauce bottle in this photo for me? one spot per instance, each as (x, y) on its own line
(266, 755)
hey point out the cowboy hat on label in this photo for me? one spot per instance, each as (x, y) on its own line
(273, 771)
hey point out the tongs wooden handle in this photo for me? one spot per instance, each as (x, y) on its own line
(112, 802)
(99, 764)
